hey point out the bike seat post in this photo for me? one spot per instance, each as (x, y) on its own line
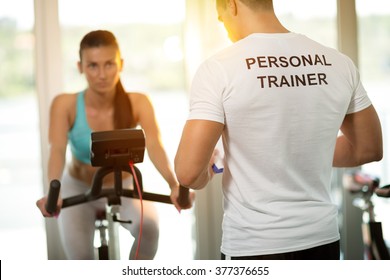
(118, 180)
(112, 213)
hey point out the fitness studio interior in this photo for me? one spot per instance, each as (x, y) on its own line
(39, 50)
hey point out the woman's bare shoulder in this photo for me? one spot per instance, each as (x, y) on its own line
(65, 97)
(64, 106)
(64, 100)
(137, 95)
(139, 98)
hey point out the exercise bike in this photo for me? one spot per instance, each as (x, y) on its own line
(113, 152)
(365, 185)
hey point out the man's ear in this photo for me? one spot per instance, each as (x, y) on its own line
(232, 6)
(79, 67)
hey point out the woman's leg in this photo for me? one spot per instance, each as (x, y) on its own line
(76, 223)
(131, 210)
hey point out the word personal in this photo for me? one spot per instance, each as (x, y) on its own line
(303, 78)
(284, 62)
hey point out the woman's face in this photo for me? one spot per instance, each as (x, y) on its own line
(101, 67)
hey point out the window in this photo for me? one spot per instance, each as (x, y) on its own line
(315, 19)
(20, 162)
(374, 60)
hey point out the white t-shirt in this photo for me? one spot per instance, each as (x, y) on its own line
(282, 98)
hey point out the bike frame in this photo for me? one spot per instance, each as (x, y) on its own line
(113, 201)
(114, 152)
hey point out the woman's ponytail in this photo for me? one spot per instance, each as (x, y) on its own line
(123, 111)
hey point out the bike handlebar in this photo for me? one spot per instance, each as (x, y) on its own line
(183, 196)
(97, 192)
(54, 192)
(385, 193)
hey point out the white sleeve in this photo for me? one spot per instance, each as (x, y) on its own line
(359, 99)
(206, 96)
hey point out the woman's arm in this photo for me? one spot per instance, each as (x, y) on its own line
(146, 118)
(59, 125)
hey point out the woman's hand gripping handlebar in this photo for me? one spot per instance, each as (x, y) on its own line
(52, 197)
(182, 198)
(51, 205)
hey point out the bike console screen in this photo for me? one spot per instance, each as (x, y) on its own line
(117, 147)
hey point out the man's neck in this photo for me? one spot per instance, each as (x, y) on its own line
(263, 23)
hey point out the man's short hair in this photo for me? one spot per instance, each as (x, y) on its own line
(253, 4)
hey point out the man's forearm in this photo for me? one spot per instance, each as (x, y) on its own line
(347, 155)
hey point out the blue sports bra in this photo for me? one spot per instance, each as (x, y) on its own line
(80, 135)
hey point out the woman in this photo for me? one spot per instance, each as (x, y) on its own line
(103, 105)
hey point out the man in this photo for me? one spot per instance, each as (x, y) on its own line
(278, 99)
